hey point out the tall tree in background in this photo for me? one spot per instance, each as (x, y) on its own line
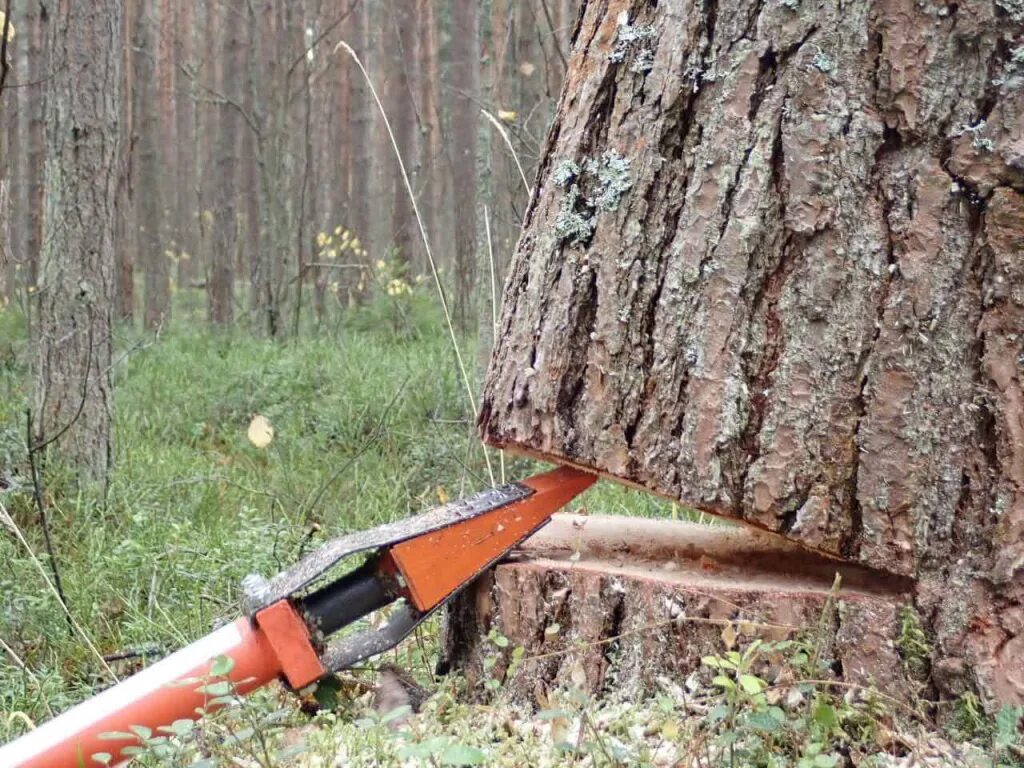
(225, 204)
(432, 166)
(183, 197)
(6, 135)
(358, 133)
(150, 186)
(465, 85)
(37, 70)
(76, 291)
(401, 63)
(125, 231)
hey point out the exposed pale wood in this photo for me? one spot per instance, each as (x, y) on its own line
(639, 599)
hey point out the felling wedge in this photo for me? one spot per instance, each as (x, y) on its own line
(420, 563)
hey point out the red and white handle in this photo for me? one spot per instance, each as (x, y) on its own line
(278, 645)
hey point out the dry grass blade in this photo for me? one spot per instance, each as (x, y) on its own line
(423, 235)
(512, 150)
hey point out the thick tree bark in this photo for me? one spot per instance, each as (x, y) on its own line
(773, 271)
(72, 364)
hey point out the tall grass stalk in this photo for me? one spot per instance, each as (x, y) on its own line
(426, 241)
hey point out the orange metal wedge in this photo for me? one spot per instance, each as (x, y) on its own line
(437, 564)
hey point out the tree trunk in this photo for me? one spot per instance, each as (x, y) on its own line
(184, 198)
(72, 375)
(431, 165)
(125, 232)
(359, 135)
(220, 293)
(401, 62)
(465, 83)
(148, 198)
(38, 20)
(773, 271)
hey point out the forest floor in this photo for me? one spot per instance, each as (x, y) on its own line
(372, 422)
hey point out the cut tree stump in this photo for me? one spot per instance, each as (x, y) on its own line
(774, 269)
(610, 604)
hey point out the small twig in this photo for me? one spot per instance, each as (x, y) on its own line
(554, 33)
(320, 38)
(140, 653)
(44, 521)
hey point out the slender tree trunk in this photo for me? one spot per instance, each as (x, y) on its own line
(73, 341)
(37, 21)
(432, 161)
(10, 172)
(8, 118)
(359, 131)
(170, 225)
(401, 62)
(184, 199)
(465, 82)
(148, 199)
(226, 198)
(125, 232)
(206, 126)
(768, 274)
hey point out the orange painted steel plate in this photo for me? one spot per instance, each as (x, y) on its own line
(438, 563)
(289, 637)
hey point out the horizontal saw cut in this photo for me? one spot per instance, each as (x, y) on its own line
(628, 601)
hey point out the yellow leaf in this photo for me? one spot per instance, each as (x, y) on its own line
(729, 636)
(670, 730)
(508, 115)
(442, 494)
(260, 432)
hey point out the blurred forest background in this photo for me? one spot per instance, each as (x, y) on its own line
(257, 169)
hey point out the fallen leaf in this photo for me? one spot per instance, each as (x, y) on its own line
(729, 636)
(527, 68)
(260, 432)
(508, 115)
